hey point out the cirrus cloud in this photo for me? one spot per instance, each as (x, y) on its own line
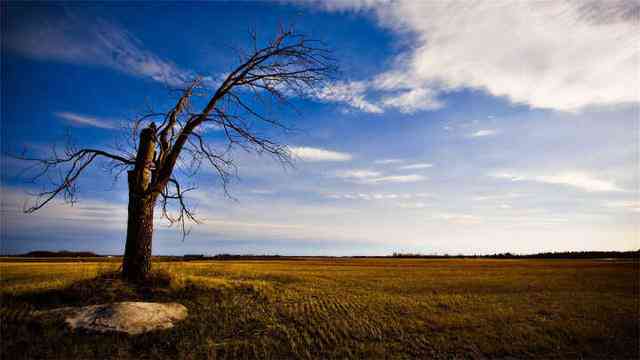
(73, 39)
(85, 120)
(416, 166)
(365, 176)
(575, 179)
(351, 93)
(311, 154)
(357, 174)
(484, 132)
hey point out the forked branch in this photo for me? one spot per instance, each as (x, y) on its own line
(290, 65)
(69, 167)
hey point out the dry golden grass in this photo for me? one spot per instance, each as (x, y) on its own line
(339, 308)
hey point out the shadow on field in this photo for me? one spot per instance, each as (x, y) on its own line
(222, 322)
(104, 288)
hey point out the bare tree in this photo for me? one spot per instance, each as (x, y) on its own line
(289, 65)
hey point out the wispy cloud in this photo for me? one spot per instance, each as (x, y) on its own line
(410, 101)
(561, 71)
(510, 195)
(87, 214)
(85, 120)
(388, 161)
(464, 219)
(484, 132)
(579, 180)
(630, 205)
(365, 176)
(377, 196)
(395, 179)
(262, 192)
(76, 40)
(209, 126)
(350, 93)
(311, 154)
(357, 174)
(413, 205)
(416, 166)
(358, 95)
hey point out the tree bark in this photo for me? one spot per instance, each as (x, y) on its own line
(137, 254)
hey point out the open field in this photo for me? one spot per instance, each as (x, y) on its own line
(339, 308)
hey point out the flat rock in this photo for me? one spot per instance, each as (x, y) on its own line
(128, 317)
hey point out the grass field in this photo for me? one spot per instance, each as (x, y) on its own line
(339, 308)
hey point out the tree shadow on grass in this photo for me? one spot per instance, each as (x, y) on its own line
(107, 287)
(215, 315)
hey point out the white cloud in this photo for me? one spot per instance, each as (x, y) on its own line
(579, 180)
(350, 93)
(364, 176)
(396, 179)
(74, 40)
(416, 166)
(378, 196)
(464, 219)
(262, 192)
(84, 120)
(210, 126)
(412, 100)
(388, 161)
(509, 176)
(355, 94)
(630, 205)
(311, 154)
(91, 214)
(563, 55)
(218, 225)
(413, 205)
(357, 174)
(498, 196)
(388, 196)
(484, 132)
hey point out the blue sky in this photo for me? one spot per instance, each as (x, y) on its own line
(452, 127)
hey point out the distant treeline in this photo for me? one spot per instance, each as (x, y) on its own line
(54, 254)
(395, 255)
(235, 257)
(545, 255)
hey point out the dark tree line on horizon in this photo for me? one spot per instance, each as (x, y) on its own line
(546, 255)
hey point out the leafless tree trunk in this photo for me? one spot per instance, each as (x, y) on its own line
(137, 255)
(288, 65)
